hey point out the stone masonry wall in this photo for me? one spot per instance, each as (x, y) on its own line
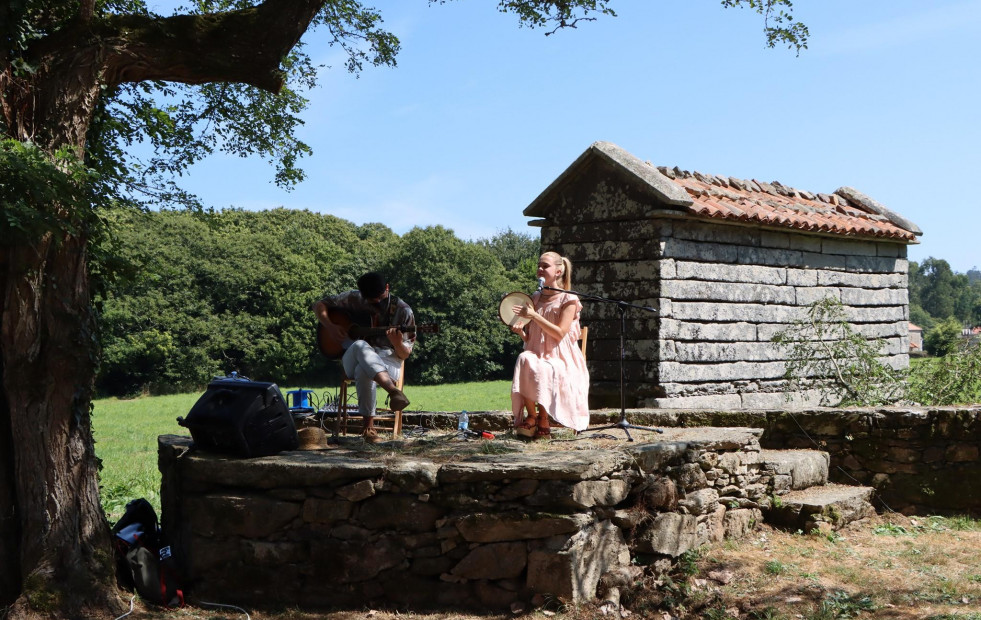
(721, 293)
(919, 460)
(616, 254)
(324, 528)
(314, 529)
(726, 291)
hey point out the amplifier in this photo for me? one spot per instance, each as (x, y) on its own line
(242, 418)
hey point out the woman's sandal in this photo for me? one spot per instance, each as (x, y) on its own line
(542, 432)
(527, 427)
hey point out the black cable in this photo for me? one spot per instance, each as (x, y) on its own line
(838, 467)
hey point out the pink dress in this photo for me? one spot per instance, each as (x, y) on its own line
(553, 373)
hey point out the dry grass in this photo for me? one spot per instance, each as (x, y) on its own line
(443, 446)
(887, 567)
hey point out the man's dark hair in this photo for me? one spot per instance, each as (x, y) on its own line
(371, 285)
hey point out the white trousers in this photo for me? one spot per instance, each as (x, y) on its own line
(362, 362)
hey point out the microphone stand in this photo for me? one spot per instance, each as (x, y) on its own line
(622, 306)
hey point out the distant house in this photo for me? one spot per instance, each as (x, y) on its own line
(726, 263)
(972, 335)
(915, 337)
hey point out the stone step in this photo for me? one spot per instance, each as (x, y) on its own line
(796, 469)
(829, 506)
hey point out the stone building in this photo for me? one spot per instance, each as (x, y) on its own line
(724, 264)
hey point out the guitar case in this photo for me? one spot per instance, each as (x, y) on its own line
(242, 418)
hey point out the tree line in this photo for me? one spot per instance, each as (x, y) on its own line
(943, 302)
(200, 294)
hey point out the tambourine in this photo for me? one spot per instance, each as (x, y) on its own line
(506, 309)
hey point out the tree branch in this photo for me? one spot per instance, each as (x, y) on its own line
(245, 46)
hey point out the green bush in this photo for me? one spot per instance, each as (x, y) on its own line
(953, 379)
(944, 337)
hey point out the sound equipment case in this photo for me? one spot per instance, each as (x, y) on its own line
(240, 417)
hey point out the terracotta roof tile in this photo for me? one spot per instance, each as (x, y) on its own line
(775, 204)
(846, 212)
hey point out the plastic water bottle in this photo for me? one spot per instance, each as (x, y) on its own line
(463, 421)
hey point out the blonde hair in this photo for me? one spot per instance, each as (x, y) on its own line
(565, 279)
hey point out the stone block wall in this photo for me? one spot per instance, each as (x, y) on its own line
(721, 292)
(919, 461)
(326, 528)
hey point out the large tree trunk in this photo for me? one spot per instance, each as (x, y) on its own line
(56, 558)
(55, 555)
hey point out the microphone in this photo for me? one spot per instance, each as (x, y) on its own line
(541, 283)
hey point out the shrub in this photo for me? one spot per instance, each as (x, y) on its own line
(952, 379)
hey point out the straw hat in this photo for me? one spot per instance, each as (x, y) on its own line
(312, 438)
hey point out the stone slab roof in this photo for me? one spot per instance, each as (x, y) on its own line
(845, 212)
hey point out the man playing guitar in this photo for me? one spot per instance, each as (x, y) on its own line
(376, 360)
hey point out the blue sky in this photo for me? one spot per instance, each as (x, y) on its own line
(481, 115)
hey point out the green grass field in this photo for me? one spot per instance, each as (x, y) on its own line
(126, 431)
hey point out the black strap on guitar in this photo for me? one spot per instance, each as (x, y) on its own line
(393, 307)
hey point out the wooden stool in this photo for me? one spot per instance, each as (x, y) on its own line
(383, 416)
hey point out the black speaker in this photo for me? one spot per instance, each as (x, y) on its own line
(242, 418)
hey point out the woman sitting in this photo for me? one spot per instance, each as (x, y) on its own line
(550, 376)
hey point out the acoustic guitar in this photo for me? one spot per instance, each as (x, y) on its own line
(359, 327)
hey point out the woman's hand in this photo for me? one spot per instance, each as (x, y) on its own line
(526, 311)
(555, 330)
(520, 331)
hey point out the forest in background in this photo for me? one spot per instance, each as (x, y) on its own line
(943, 302)
(199, 294)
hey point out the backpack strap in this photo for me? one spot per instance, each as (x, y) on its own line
(170, 591)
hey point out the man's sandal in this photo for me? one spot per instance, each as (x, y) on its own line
(369, 435)
(397, 400)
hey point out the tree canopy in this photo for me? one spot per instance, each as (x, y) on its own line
(942, 299)
(205, 294)
(223, 75)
